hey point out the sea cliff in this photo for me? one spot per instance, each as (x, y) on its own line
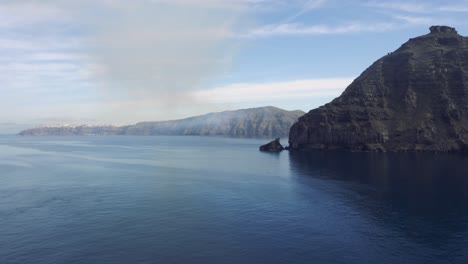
(412, 99)
(253, 122)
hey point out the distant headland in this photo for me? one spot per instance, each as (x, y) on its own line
(258, 122)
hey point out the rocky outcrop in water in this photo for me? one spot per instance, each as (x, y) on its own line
(413, 99)
(273, 146)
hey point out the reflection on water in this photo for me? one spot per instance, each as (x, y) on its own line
(423, 196)
(422, 182)
(220, 200)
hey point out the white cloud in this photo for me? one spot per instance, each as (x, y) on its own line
(299, 29)
(19, 42)
(416, 20)
(27, 13)
(394, 16)
(454, 8)
(57, 56)
(257, 92)
(162, 50)
(420, 7)
(402, 6)
(113, 50)
(16, 44)
(305, 8)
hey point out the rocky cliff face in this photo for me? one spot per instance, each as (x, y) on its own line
(413, 99)
(79, 130)
(273, 146)
(254, 122)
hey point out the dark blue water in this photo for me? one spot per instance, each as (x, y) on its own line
(218, 200)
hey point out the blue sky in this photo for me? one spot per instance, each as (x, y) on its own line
(116, 61)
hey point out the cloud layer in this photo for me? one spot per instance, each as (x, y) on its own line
(125, 61)
(272, 91)
(114, 51)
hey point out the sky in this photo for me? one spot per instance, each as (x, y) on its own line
(121, 62)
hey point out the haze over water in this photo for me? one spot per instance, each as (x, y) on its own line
(219, 200)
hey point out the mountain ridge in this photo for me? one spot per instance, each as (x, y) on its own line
(265, 121)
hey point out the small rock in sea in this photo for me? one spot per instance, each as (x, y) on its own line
(273, 146)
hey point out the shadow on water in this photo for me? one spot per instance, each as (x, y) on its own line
(421, 182)
(423, 195)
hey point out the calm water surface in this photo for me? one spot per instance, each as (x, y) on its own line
(219, 200)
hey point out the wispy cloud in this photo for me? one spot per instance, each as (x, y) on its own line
(394, 16)
(415, 20)
(420, 7)
(454, 8)
(304, 9)
(412, 7)
(26, 13)
(300, 29)
(157, 54)
(58, 56)
(255, 92)
(156, 50)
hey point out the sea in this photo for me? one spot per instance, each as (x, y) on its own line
(169, 199)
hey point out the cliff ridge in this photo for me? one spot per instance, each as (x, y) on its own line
(412, 99)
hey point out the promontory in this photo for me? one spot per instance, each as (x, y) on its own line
(259, 122)
(412, 99)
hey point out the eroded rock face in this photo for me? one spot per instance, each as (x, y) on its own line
(415, 98)
(273, 146)
(442, 29)
(254, 122)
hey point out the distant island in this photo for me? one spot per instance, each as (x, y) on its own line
(269, 121)
(413, 99)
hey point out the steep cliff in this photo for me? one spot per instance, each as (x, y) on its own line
(254, 122)
(413, 99)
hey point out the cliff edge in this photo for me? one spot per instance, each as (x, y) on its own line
(413, 99)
